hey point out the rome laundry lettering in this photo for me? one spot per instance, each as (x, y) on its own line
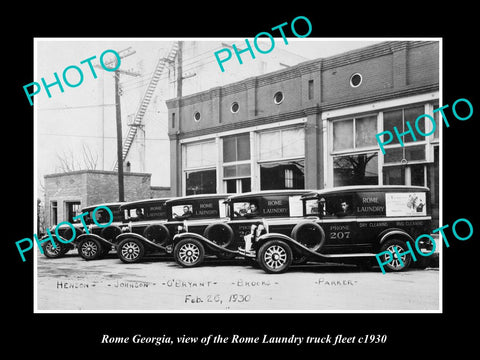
(370, 208)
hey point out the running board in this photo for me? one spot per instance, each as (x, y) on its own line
(347, 255)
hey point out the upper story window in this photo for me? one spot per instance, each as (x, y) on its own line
(356, 80)
(354, 133)
(278, 97)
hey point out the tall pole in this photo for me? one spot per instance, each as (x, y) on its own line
(122, 53)
(179, 69)
(121, 196)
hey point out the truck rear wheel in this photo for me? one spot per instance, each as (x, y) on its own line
(275, 257)
(189, 253)
(90, 249)
(130, 250)
(397, 263)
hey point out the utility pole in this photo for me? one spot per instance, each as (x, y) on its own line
(179, 69)
(118, 113)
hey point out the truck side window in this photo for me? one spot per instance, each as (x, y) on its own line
(339, 205)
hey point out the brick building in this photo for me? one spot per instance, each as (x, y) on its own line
(311, 125)
(67, 193)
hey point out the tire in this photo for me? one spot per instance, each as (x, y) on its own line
(275, 257)
(130, 250)
(110, 233)
(219, 233)
(395, 265)
(157, 233)
(189, 253)
(90, 249)
(52, 253)
(309, 234)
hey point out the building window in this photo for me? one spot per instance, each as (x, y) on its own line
(288, 178)
(196, 116)
(398, 118)
(201, 182)
(236, 163)
(436, 134)
(283, 175)
(404, 175)
(281, 144)
(355, 153)
(403, 155)
(310, 89)
(278, 97)
(73, 209)
(234, 108)
(354, 133)
(281, 159)
(173, 120)
(394, 175)
(54, 213)
(238, 185)
(355, 169)
(355, 80)
(236, 148)
(200, 168)
(200, 154)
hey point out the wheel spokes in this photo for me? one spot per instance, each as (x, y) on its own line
(89, 248)
(275, 257)
(52, 250)
(396, 263)
(130, 250)
(189, 253)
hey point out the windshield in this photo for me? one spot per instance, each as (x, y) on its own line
(145, 212)
(198, 209)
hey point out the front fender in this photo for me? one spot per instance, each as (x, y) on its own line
(301, 249)
(275, 236)
(139, 237)
(388, 233)
(70, 244)
(93, 236)
(210, 244)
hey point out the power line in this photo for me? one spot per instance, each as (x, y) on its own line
(95, 136)
(187, 68)
(75, 107)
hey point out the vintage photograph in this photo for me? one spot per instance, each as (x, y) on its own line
(225, 175)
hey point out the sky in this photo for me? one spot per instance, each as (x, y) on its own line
(57, 130)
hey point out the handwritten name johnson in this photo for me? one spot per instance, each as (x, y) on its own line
(237, 339)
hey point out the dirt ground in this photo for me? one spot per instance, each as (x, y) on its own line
(159, 284)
